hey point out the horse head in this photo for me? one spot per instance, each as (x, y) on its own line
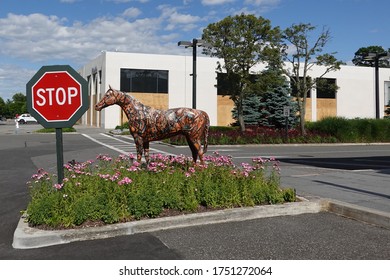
(111, 97)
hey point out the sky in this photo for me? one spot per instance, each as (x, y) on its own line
(34, 33)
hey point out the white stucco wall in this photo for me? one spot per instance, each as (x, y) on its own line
(355, 97)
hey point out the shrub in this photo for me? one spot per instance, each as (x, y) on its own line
(353, 130)
(257, 135)
(112, 190)
(52, 130)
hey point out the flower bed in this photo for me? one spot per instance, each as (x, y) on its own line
(110, 190)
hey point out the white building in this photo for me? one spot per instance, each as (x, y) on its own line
(165, 81)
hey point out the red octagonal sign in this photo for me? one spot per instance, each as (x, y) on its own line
(57, 96)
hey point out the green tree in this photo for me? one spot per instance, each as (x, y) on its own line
(250, 110)
(302, 54)
(360, 54)
(18, 105)
(3, 109)
(272, 107)
(242, 41)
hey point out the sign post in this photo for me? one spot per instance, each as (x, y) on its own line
(57, 96)
(286, 114)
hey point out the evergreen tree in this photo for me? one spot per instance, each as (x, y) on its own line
(251, 110)
(268, 109)
(272, 108)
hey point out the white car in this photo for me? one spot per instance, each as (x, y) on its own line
(26, 118)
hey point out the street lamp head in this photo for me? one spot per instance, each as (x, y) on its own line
(186, 44)
(195, 42)
(374, 56)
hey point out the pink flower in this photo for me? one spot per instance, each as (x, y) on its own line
(125, 181)
(58, 186)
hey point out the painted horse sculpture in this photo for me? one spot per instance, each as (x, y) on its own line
(147, 124)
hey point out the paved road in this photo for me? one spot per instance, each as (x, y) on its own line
(309, 236)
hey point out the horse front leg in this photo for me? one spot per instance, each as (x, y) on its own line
(146, 151)
(139, 146)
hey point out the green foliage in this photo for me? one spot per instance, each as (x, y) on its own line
(242, 41)
(52, 130)
(257, 135)
(267, 109)
(250, 109)
(113, 190)
(308, 51)
(272, 106)
(3, 111)
(327, 130)
(18, 105)
(354, 130)
(360, 54)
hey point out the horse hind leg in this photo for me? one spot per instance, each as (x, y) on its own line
(198, 144)
(194, 150)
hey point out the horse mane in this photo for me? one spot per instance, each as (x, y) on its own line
(132, 101)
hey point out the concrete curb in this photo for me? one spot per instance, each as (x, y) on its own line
(356, 212)
(26, 237)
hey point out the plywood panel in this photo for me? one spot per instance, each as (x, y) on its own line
(326, 108)
(155, 100)
(309, 110)
(224, 111)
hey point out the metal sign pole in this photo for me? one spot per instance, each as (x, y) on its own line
(60, 155)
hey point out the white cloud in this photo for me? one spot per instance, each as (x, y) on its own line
(216, 2)
(126, 1)
(176, 20)
(13, 80)
(131, 12)
(262, 2)
(44, 40)
(38, 37)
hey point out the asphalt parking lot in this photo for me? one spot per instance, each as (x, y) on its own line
(313, 236)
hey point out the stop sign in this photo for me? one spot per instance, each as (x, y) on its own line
(57, 96)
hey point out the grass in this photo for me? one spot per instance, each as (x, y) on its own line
(109, 190)
(327, 130)
(52, 130)
(353, 130)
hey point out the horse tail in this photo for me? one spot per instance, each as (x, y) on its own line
(206, 132)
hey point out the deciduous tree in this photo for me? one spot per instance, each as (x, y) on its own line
(302, 53)
(242, 41)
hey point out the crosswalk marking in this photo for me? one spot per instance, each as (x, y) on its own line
(100, 141)
(119, 145)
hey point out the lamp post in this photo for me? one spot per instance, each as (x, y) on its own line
(194, 44)
(376, 57)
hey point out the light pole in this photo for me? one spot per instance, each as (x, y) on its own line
(375, 57)
(194, 44)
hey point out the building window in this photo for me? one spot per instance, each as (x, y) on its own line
(145, 81)
(326, 88)
(294, 88)
(226, 85)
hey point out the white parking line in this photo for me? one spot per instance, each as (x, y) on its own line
(129, 145)
(105, 145)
